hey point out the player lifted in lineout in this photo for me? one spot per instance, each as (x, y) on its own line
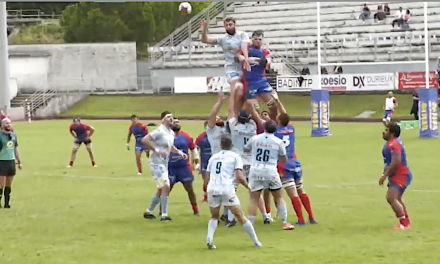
(255, 82)
(8, 156)
(266, 150)
(390, 104)
(161, 144)
(180, 169)
(81, 133)
(204, 147)
(224, 169)
(397, 171)
(139, 131)
(242, 129)
(231, 43)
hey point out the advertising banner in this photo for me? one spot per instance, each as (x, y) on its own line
(200, 84)
(294, 83)
(372, 82)
(428, 113)
(320, 113)
(416, 80)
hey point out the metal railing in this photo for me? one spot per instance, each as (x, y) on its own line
(28, 14)
(38, 99)
(184, 33)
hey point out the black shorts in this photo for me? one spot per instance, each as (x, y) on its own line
(79, 142)
(7, 168)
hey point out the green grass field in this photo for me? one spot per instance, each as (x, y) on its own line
(94, 215)
(345, 106)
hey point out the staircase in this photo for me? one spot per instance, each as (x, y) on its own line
(184, 34)
(32, 102)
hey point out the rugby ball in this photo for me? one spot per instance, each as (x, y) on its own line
(185, 8)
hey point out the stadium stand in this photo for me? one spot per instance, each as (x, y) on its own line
(291, 29)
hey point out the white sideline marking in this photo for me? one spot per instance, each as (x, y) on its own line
(147, 177)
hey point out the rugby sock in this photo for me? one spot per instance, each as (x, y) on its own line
(154, 202)
(164, 205)
(282, 212)
(296, 203)
(268, 209)
(403, 220)
(195, 208)
(265, 216)
(1, 193)
(225, 213)
(93, 163)
(230, 216)
(71, 163)
(212, 226)
(7, 194)
(306, 202)
(249, 229)
(251, 219)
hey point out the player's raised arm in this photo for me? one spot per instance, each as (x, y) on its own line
(278, 103)
(205, 38)
(245, 51)
(215, 109)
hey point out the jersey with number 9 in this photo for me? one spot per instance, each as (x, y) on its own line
(222, 167)
(287, 135)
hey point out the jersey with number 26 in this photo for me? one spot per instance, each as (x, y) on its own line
(265, 149)
(222, 167)
(287, 135)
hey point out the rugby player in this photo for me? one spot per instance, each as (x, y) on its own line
(8, 157)
(255, 82)
(266, 150)
(139, 131)
(390, 104)
(161, 143)
(180, 169)
(215, 128)
(398, 173)
(81, 134)
(231, 43)
(204, 147)
(224, 169)
(242, 129)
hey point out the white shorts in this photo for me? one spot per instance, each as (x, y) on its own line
(215, 201)
(160, 175)
(260, 179)
(233, 73)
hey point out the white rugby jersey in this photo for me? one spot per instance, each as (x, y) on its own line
(389, 103)
(214, 135)
(231, 45)
(241, 134)
(222, 167)
(163, 140)
(265, 149)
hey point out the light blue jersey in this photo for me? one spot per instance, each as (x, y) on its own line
(231, 45)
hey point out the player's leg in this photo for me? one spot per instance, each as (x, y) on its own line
(266, 197)
(305, 200)
(393, 193)
(264, 91)
(90, 151)
(257, 188)
(233, 205)
(187, 179)
(266, 219)
(138, 155)
(276, 189)
(75, 148)
(205, 194)
(289, 186)
(9, 173)
(400, 199)
(160, 175)
(2, 186)
(233, 77)
(214, 204)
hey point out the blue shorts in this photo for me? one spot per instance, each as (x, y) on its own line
(388, 114)
(292, 170)
(140, 147)
(180, 174)
(255, 89)
(203, 168)
(401, 188)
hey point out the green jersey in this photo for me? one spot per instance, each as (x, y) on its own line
(8, 143)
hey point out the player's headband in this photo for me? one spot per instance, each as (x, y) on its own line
(4, 120)
(167, 116)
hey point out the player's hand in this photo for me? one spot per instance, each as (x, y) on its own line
(184, 156)
(246, 65)
(382, 180)
(204, 24)
(197, 167)
(221, 96)
(20, 166)
(128, 147)
(275, 95)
